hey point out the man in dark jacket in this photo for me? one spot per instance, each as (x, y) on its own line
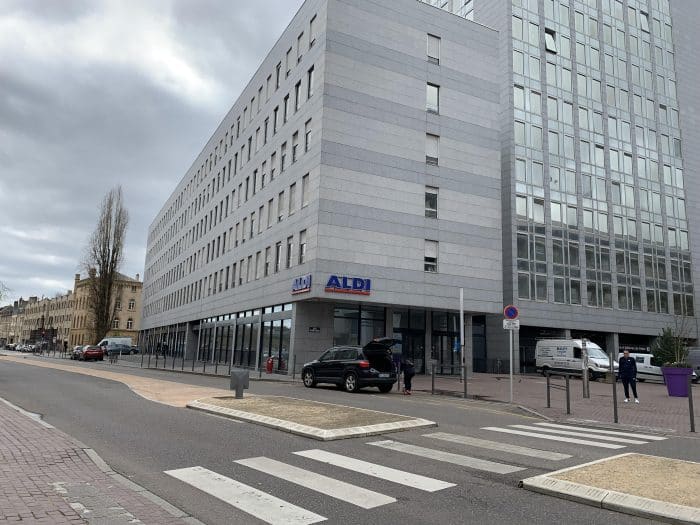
(628, 375)
(408, 372)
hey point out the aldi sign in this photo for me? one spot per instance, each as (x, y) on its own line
(351, 285)
(301, 284)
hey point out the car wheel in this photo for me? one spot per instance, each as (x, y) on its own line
(385, 389)
(132, 352)
(308, 378)
(545, 370)
(641, 380)
(592, 376)
(350, 382)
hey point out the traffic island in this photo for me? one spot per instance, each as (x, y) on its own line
(652, 487)
(313, 419)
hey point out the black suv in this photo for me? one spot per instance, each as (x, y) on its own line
(354, 367)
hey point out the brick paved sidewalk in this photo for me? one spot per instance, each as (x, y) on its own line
(48, 477)
(656, 408)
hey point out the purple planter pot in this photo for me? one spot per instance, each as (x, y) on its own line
(676, 380)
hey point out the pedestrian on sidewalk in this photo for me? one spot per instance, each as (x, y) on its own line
(408, 372)
(628, 374)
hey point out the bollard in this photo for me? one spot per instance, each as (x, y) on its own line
(294, 367)
(568, 397)
(432, 379)
(240, 379)
(690, 403)
(549, 403)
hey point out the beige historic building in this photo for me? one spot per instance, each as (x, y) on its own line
(66, 317)
(127, 318)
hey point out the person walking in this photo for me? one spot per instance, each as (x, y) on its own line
(408, 372)
(628, 374)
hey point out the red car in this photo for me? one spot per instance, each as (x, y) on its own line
(92, 352)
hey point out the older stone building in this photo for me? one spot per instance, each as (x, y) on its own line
(127, 316)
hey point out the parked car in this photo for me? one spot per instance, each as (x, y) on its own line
(92, 352)
(649, 368)
(77, 352)
(354, 367)
(118, 349)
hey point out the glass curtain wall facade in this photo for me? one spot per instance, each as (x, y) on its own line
(598, 156)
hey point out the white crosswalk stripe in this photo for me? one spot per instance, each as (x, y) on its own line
(378, 471)
(647, 437)
(448, 457)
(248, 499)
(551, 437)
(497, 445)
(579, 434)
(358, 496)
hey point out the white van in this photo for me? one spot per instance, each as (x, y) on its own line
(649, 368)
(111, 341)
(564, 355)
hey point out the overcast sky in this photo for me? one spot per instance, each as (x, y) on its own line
(99, 93)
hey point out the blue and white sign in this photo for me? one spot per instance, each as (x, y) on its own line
(351, 285)
(301, 284)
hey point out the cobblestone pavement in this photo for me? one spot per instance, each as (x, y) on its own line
(48, 477)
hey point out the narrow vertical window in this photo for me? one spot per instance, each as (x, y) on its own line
(312, 32)
(310, 82)
(300, 43)
(432, 143)
(302, 246)
(431, 256)
(307, 135)
(433, 98)
(433, 49)
(292, 198)
(431, 202)
(305, 190)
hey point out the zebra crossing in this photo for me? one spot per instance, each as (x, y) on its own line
(269, 508)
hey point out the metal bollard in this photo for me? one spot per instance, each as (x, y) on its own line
(294, 367)
(568, 396)
(432, 378)
(549, 403)
(690, 403)
(465, 381)
(240, 379)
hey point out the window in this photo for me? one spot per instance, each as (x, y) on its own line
(310, 82)
(305, 190)
(115, 323)
(270, 212)
(431, 149)
(288, 62)
(307, 135)
(433, 98)
(431, 202)
(290, 251)
(295, 146)
(268, 254)
(285, 112)
(283, 156)
(433, 49)
(644, 21)
(312, 32)
(302, 246)
(129, 323)
(275, 119)
(300, 42)
(297, 96)
(292, 198)
(550, 42)
(132, 304)
(118, 304)
(431, 256)
(280, 206)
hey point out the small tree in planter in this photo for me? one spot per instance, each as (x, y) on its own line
(671, 349)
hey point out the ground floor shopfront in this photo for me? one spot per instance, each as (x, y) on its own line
(294, 333)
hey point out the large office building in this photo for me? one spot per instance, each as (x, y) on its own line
(387, 154)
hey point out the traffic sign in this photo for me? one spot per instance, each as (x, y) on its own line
(511, 312)
(511, 324)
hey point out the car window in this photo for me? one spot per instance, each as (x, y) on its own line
(577, 353)
(347, 354)
(328, 355)
(639, 359)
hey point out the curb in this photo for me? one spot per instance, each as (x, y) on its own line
(610, 499)
(313, 432)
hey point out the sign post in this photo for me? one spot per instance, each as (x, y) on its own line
(463, 374)
(584, 369)
(511, 323)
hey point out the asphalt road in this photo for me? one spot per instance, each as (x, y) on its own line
(142, 439)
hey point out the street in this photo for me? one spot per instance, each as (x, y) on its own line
(465, 473)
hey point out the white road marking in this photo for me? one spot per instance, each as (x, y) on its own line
(495, 445)
(378, 471)
(554, 438)
(367, 499)
(599, 431)
(448, 457)
(579, 434)
(248, 499)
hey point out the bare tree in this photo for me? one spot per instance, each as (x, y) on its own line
(103, 259)
(4, 291)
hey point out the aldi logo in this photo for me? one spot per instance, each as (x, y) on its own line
(351, 285)
(301, 284)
